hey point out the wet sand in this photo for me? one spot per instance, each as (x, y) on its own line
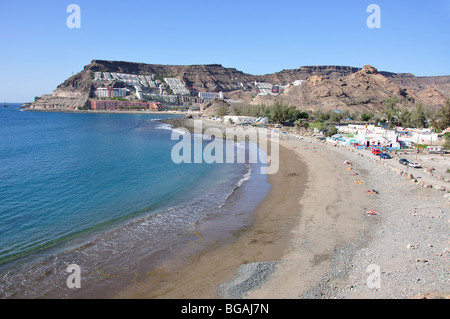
(305, 215)
(329, 217)
(264, 241)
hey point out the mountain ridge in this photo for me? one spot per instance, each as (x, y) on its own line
(334, 86)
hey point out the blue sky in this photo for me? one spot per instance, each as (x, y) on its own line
(39, 51)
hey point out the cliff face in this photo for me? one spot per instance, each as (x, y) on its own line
(79, 85)
(340, 87)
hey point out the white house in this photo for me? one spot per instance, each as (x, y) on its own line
(239, 119)
(210, 95)
(373, 135)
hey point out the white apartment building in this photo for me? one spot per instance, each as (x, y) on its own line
(111, 92)
(210, 95)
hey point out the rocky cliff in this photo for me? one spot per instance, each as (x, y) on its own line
(340, 87)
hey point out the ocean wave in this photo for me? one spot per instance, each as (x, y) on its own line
(164, 126)
(240, 182)
(169, 127)
(246, 176)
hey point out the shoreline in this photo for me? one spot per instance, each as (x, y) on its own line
(313, 236)
(101, 275)
(110, 111)
(260, 242)
(100, 272)
(266, 248)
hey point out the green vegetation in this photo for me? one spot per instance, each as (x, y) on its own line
(329, 116)
(322, 116)
(366, 117)
(418, 118)
(320, 126)
(160, 78)
(441, 120)
(168, 89)
(250, 110)
(282, 113)
(406, 118)
(447, 141)
(332, 130)
(396, 111)
(301, 124)
(390, 111)
(222, 111)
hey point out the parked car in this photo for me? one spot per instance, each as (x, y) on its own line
(403, 161)
(376, 151)
(415, 165)
(385, 155)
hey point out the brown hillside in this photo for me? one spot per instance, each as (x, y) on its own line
(325, 87)
(362, 91)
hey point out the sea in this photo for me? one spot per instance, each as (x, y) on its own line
(101, 192)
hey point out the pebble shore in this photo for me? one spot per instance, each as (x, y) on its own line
(408, 241)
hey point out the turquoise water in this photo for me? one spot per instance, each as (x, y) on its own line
(105, 179)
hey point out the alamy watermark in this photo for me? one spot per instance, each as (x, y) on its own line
(74, 280)
(374, 279)
(191, 149)
(374, 20)
(74, 19)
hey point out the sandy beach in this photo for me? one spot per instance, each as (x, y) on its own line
(319, 234)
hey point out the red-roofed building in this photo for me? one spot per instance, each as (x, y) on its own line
(125, 105)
